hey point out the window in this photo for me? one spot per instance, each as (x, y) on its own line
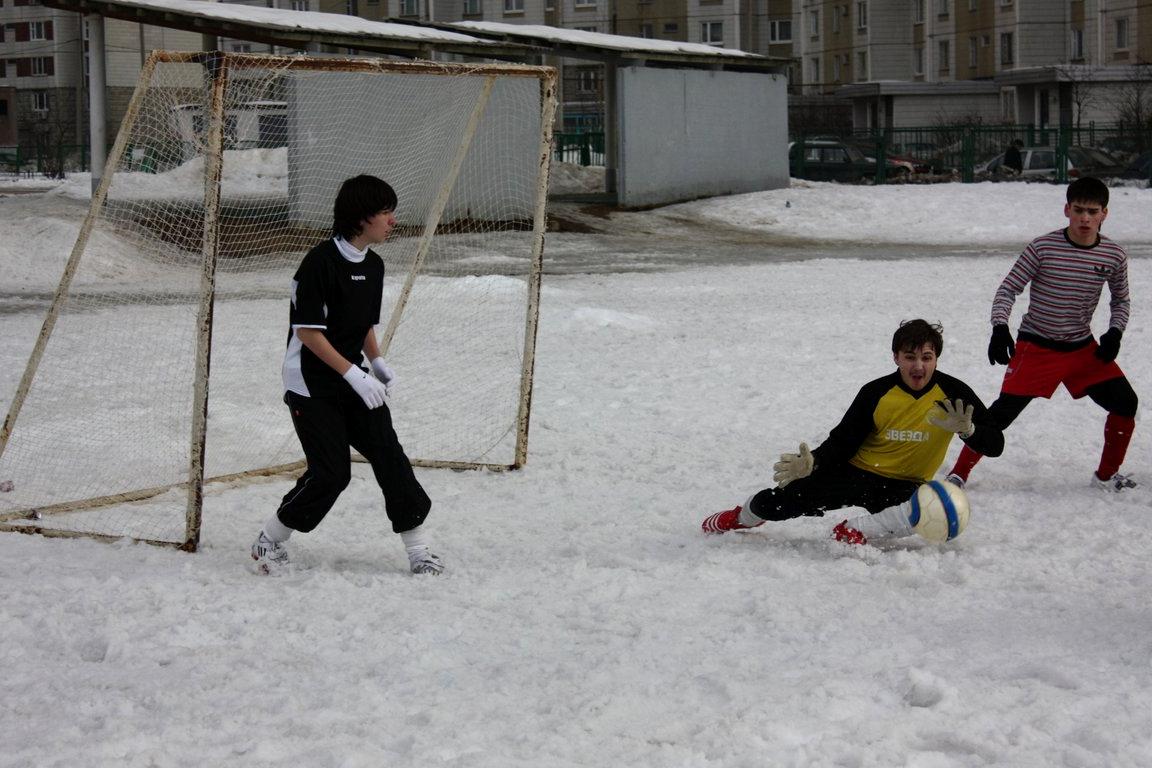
(862, 15)
(1122, 33)
(814, 23)
(671, 28)
(588, 80)
(917, 11)
(409, 7)
(586, 29)
(241, 48)
(918, 61)
(942, 7)
(780, 31)
(472, 7)
(1076, 47)
(973, 5)
(41, 65)
(1006, 53)
(944, 55)
(646, 31)
(37, 31)
(40, 101)
(585, 3)
(973, 51)
(712, 32)
(837, 74)
(861, 65)
(837, 11)
(3, 107)
(299, 5)
(814, 70)
(513, 6)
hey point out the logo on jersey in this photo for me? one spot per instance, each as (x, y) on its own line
(906, 436)
(359, 277)
(1102, 271)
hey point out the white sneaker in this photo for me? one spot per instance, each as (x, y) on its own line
(271, 556)
(1115, 484)
(424, 562)
(955, 479)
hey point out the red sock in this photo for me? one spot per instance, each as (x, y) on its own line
(967, 459)
(1117, 434)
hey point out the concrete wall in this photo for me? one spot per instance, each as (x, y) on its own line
(685, 134)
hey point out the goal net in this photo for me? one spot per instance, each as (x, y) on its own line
(158, 365)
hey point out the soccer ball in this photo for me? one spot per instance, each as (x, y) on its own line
(939, 511)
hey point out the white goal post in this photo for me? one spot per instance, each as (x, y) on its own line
(157, 368)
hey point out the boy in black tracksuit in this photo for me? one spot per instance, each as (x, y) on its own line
(335, 403)
(891, 440)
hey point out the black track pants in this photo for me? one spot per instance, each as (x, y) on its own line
(836, 487)
(327, 426)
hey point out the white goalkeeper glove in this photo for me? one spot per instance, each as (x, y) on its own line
(953, 416)
(371, 391)
(384, 373)
(793, 466)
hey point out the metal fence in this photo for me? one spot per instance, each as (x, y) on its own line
(584, 148)
(970, 153)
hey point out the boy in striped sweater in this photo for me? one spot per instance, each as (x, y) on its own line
(1067, 270)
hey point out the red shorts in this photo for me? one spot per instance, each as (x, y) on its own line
(1036, 371)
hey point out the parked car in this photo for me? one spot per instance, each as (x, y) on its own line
(833, 160)
(1139, 168)
(1040, 163)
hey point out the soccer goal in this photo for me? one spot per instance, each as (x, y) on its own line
(157, 368)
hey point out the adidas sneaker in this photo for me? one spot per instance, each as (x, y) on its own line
(271, 556)
(728, 520)
(1115, 484)
(424, 562)
(956, 480)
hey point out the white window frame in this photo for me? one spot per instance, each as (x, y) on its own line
(776, 31)
(40, 101)
(918, 60)
(837, 12)
(918, 11)
(587, 80)
(944, 55)
(861, 15)
(861, 73)
(942, 8)
(584, 3)
(241, 47)
(37, 30)
(38, 67)
(513, 6)
(1122, 33)
(837, 74)
(708, 31)
(814, 23)
(973, 5)
(299, 5)
(1076, 44)
(473, 7)
(814, 70)
(973, 52)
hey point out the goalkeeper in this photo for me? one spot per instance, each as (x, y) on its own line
(892, 439)
(336, 404)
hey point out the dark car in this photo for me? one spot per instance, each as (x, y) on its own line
(1139, 168)
(833, 160)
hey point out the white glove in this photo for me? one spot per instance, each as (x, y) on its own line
(384, 373)
(953, 416)
(371, 391)
(793, 466)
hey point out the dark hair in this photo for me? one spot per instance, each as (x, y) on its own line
(359, 198)
(913, 334)
(1088, 190)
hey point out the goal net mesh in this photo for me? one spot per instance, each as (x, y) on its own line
(102, 439)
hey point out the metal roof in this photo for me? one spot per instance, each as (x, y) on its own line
(490, 40)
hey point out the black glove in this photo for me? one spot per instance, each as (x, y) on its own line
(1109, 345)
(1001, 347)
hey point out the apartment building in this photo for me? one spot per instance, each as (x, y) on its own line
(44, 72)
(914, 62)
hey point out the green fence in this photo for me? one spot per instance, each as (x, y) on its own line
(969, 152)
(584, 148)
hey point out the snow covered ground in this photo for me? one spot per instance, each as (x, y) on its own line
(584, 619)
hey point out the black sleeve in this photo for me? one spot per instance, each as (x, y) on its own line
(988, 439)
(858, 421)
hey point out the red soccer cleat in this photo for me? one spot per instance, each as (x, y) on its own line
(728, 520)
(848, 535)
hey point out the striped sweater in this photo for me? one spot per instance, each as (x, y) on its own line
(1066, 283)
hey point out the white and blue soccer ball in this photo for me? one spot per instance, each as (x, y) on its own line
(939, 511)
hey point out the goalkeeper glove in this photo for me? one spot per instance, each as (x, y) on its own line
(384, 373)
(793, 466)
(954, 417)
(1001, 347)
(371, 391)
(1109, 345)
